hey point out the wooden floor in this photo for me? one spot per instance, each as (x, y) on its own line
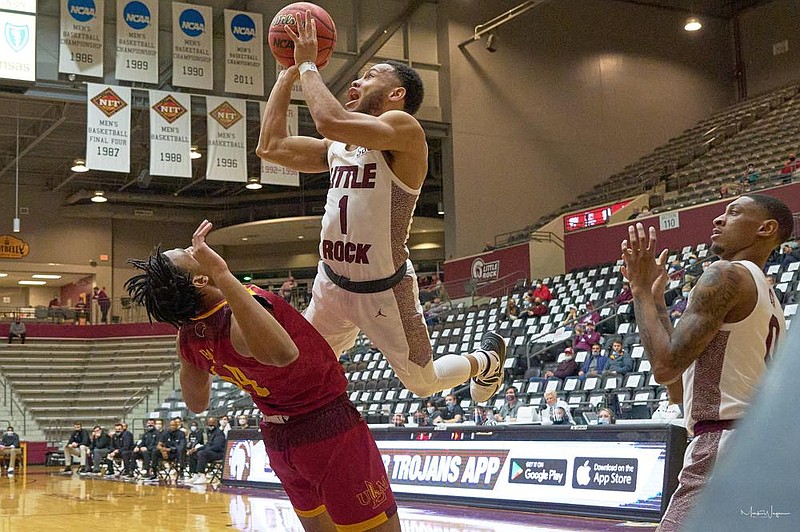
(46, 501)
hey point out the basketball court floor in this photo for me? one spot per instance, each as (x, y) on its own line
(44, 500)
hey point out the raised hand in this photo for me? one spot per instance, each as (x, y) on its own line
(211, 262)
(304, 38)
(642, 268)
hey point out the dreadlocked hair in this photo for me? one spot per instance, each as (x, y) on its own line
(165, 291)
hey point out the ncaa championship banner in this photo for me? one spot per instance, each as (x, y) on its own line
(275, 174)
(227, 139)
(192, 46)
(81, 38)
(137, 40)
(108, 128)
(170, 134)
(244, 53)
(18, 47)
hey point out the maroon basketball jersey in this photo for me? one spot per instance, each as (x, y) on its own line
(313, 380)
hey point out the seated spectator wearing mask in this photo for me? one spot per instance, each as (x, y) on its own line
(399, 420)
(542, 292)
(194, 442)
(452, 413)
(508, 412)
(556, 412)
(566, 368)
(679, 305)
(213, 450)
(10, 449)
(605, 416)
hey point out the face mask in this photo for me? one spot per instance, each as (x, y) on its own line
(193, 429)
(223, 423)
(431, 409)
(151, 427)
(692, 261)
(10, 432)
(602, 421)
(685, 294)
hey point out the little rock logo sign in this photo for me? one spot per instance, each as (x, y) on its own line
(485, 271)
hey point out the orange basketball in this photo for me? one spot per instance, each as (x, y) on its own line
(281, 44)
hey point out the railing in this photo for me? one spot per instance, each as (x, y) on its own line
(8, 397)
(504, 240)
(495, 288)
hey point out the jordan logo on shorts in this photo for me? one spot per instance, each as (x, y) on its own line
(375, 494)
(380, 314)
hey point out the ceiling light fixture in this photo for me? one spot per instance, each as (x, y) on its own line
(34, 283)
(3, 275)
(440, 208)
(300, 237)
(79, 165)
(253, 183)
(99, 197)
(692, 24)
(45, 276)
(194, 154)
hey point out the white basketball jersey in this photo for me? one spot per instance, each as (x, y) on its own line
(720, 383)
(367, 215)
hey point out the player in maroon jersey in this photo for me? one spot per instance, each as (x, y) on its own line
(317, 442)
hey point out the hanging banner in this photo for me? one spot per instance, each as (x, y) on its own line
(192, 46)
(297, 87)
(244, 53)
(137, 40)
(227, 137)
(170, 134)
(275, 174)
(108, 128)
(81, 39)
(27, 6)
(18, 49)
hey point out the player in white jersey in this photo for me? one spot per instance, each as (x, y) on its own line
(725, 338)
(377, 156)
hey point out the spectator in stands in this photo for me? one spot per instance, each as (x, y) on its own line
(432, 290)
(224, 425)
(789, 254)
(244, 422)
(539, 308)
(16, 330)
(146, 445)
(566, 368)
(399, 420)
(512, 310)
(434, 407)
(179, 419)
(484, 416)
(571, 319)
(212, 451)
(121, 448)
(103, 301)
(778, 292)
(420, 417)
(750, 177)
(434, 312)
(634, 214)
(594, 363)
(171, 446)
(619, 361)
(679, 305)
(488, 246)
(100, 447)
(542, 291)
(675, 270)
(81, 309)
(556, 412)
(77, 445)
(580, 342)
(54, 302)
(286, 288)
(625, 295)
(590, 314)
(194, 442)
(508, 412)
(605, 416)
(792, 165)
(645, 211)
(10, 449)
(590, 333)
(452, 413)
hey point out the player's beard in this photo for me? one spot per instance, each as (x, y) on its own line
(370, 104)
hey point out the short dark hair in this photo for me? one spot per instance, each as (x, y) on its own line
(412, 83)
(512, 388)
(10, 428)
(166, 291)
(777, 210)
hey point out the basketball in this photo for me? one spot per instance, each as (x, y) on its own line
(281, 44)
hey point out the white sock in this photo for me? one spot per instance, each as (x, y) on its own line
(451, 370)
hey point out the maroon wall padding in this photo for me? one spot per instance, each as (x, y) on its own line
(601, 245)
(52, 330)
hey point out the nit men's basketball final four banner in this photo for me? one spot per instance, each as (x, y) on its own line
(18, 46)
(81, 38)
(137, 40)
(192, 46)
(227, 139)
(170, 134)
(244, 53)
(108, 128)
(275, 174)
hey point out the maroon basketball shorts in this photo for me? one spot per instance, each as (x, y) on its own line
(327, 460)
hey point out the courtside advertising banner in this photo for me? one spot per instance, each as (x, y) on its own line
(227, 139)
(81, 38)
(192, 46)
(275, 174)
(108, 128)
(137, 40)
(18, 46)
(170, 134)
(601, 474)
(244, 53)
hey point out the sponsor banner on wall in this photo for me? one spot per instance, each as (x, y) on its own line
(26, 6)
(81, 38)
(192, 46)
(275, 174)
(108, 127)
(488, 273)
(227, 139)
(12, 247)
(18, 46)
(137, 40)
(170, 134)
(244, 53)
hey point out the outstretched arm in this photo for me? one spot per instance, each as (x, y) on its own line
(195, 384)
(305, 154)
(254, 331)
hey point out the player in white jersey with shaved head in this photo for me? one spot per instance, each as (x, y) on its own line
(377, 156)
(720, 349)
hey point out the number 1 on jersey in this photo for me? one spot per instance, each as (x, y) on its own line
(343, 214)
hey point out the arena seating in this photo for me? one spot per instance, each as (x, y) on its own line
(95, 381)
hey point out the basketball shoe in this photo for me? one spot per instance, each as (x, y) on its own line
(482, 387)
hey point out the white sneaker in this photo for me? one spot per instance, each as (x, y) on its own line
(10, 473)
(199, 479)
(483, 387)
